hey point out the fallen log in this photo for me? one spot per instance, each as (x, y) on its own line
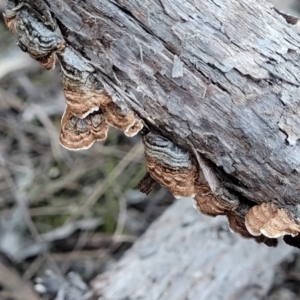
(217, 80)
(184, 255)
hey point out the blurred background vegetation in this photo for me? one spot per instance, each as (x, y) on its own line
(70, 211)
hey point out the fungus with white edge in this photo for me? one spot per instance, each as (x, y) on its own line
(273, 222)
(78, 134)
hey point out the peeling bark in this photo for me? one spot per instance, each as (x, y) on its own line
(237, 101)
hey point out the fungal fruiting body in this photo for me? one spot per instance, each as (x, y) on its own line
(35, 35)
(79, 133)
(225, 204)
(89, 110)
(170, 165)
(173, 167)
(82, 94)
(273, 222)
(85, 99)
(207, 203)
(126, 122)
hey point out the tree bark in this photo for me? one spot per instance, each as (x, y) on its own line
(184, 255)
(217, 77)
(237, 98)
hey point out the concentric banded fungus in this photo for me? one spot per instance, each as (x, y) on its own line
(227, 198)
(77, 134)
(125, 122)
(271, 221)
(84, 94)
(229, 205)
(135, 128)
(170, 166)
(207, 203)
(36, 35)
(82, 91)
(237, 224)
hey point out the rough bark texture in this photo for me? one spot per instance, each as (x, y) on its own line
(185, 255)
(238, 98)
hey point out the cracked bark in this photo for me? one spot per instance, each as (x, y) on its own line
(237, 101)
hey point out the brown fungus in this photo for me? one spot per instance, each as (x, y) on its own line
(85, 94)
(237, 224)
(170, 166)
(126, 122)
(226, 204)
(82, 91)
(78, 134)
(36, 34)
(273, 222)
(207, 203)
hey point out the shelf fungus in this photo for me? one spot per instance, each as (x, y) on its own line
(83, 93)
(236, 222)
(38, 34)
(230, 206)
(170, 166)
(78, 134)
(126, 122)
(174, 168)
(207, 203)
(273, 222)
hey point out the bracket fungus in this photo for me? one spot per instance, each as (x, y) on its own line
(207, 203)
(36, 34)
(78, 134)
(173, 167)
(89, 110)
(123, 121)
(273, 222)
(170, 166)
(83, 93)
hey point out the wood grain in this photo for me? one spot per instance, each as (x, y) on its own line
(238, 99)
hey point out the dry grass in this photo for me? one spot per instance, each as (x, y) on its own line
(60, 210)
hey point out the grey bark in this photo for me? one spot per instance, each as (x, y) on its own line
(185, 255)
(238, 99)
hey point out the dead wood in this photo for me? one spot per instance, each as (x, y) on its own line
(185, 255)
(237, 98)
